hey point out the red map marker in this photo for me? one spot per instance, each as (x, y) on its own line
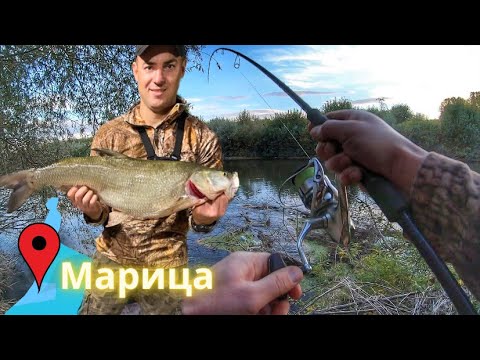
(39, 245)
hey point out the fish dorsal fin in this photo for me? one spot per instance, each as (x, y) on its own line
(108, 152)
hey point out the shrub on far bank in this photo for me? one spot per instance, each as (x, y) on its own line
(424, 133)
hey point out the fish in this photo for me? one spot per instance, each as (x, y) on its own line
(139, 188)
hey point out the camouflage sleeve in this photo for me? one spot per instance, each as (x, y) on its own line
(445, 201)
(100, 141)
(210, 153)
(103, 139)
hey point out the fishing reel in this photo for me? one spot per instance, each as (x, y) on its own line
(328, 207)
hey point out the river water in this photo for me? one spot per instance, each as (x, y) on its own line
(256, 208)
(256, 204)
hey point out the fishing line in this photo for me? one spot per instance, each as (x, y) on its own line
(391, 202)
(285, 206)
(236, 65)
(279, 118)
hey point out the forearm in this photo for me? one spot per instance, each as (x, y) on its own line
(445, 202)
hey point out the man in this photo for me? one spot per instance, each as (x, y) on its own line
(151, 129)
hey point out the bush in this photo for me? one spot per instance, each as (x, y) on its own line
(460, 127)
(401, 113)
(425, 133)
(332, 105)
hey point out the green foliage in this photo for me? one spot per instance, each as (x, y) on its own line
(232, 241)
(250, 136)
(475, 100)
(332, 105)
(401, 113)
(452, 101)
(384, 114)
(382, 271)
(455, 135)
(460, 124)
(58, 91)
(79, 147)
(425, 133)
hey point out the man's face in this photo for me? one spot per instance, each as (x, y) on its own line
(158, 73)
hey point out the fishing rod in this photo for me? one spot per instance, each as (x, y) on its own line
(390, 201)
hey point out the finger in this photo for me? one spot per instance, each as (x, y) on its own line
(346, 114)
(296, 292)
(80, 193)
(325, 150)
(201, 203)
(280, 307)
(278, 283)
(258, 262)
(223, 205)
(336, 130)
(351, 175)
(71, 192)
(338, 162)
(86, 199)
(93, 200)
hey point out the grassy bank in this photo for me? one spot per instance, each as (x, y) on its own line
(379, 273)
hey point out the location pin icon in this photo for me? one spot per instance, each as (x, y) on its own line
(39, 245)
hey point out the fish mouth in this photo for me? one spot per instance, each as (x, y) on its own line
(193, 190)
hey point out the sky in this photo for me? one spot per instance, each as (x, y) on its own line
(420, 76)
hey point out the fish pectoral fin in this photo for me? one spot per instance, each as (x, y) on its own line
(108, 152)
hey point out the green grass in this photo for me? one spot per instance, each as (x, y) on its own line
(233, 241)
(375, 275)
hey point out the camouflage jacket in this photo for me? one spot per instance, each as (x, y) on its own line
(160, 242)
(445, 201)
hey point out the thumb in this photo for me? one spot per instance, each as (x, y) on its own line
(278, 283)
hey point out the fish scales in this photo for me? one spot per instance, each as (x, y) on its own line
(140, 188)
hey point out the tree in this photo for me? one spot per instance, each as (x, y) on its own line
(460, 124)
(383, 105)
(53, 92)
(474, 100)
(451, 101)
(332, 105)
(401, 113)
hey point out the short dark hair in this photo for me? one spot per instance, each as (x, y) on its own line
(181, 50)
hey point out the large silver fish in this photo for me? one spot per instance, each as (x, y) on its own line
(139, 188)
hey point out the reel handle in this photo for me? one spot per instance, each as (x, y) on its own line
(276, 262)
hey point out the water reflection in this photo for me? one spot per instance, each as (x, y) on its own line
(260, 180)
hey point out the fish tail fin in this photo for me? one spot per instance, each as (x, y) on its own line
(22, 185)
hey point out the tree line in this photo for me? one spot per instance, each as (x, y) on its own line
(51, 94)
(455, 133)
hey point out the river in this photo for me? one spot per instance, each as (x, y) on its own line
(256, 208)
(255, 203)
